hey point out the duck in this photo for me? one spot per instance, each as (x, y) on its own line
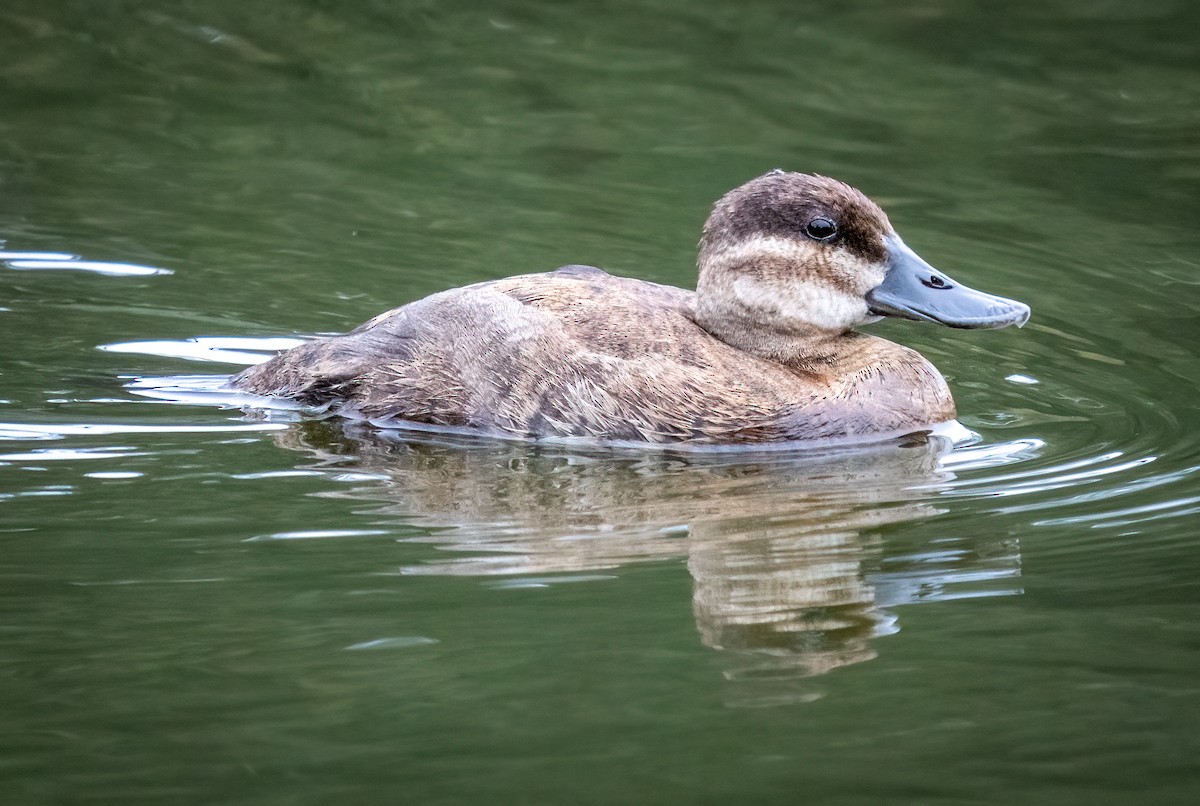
(766, 350)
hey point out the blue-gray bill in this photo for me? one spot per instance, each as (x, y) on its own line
(912, 289)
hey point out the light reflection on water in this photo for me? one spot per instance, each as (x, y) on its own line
(216, 349)
(55, 430)
(58, 261)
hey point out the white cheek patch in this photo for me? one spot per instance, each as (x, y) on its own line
(810, 259)
(803, 302)
(816, 295)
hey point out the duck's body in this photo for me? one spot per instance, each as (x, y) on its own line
(762, 352)
(579, 352)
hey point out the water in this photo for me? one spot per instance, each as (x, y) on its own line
(199, 604)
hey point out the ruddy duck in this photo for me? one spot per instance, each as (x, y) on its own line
(763, 351)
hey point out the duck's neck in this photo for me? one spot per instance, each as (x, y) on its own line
(794, 345)
(751, 315)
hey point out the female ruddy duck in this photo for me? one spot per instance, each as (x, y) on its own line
(763, 351)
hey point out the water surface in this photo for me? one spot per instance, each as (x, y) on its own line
(200, 603)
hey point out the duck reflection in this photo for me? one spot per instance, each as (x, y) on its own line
(790, 576)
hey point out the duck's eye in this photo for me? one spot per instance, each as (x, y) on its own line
(820, 229)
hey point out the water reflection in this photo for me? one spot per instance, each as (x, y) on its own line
(46, 261)
(790, 575)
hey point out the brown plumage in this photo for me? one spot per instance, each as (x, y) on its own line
(762, 352)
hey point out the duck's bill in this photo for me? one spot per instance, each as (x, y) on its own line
(912, 289)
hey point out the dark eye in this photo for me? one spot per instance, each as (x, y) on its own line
(820, 229)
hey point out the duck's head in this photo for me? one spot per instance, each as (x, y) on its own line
(789, 259)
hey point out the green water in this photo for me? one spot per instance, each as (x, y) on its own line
(203, 606)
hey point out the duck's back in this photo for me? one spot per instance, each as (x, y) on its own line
(579, 352)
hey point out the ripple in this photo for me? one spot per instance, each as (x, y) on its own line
(20, 431)
(938, 574)
(70, 454)
(1126, 517)
(216, 349)
(546, 582)
(124, 582)
(317, 534)
(210, 391)
(58, 261)
(40, 492)
(399, 642)
(969, 458)
(6, 256)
